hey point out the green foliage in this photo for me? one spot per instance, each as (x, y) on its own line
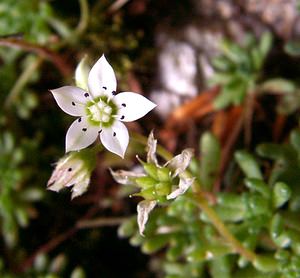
(239, 68)
(15, 199)
(263, 217)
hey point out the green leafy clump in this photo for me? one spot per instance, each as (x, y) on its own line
(15, 200)
(263, 218)
(239, 69)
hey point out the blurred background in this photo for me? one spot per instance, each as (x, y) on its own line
(161, 49)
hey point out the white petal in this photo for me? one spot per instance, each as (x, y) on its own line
(115, 138)
(125, 177)
(82, 73)
(80, 135)
(132, 106)
(151, 149)
(184, 185)
(180, 162)
(71, 99)
(143, 210)
(102, 79)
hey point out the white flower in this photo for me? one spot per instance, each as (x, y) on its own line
(100, 109)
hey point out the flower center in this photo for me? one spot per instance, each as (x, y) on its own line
(100, 111)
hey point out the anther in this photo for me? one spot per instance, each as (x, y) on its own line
(86, 95)
(99, 131)
(70, 169)
(114, 93)
(73, 103)
(79, 120)
(114, 134)
(104, 87)
(84, 129)
(123, 104)
(122, 118)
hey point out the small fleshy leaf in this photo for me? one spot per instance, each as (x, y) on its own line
(143, 210)
(102, 79)
(70, 99)
(133, 106)
(80, 135)
(184, 185)
(151, 149)
(82, 73)
(180, 162)
(115, 138)
(125, 177)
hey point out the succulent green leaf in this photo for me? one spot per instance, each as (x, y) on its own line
(265, 263)
(281, 194)
(248, 164)
(210, 150)
(258, 185)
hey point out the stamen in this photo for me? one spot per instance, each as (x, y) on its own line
(70, 169)
(84, 129)
(122, 118)
(114, 134)
(123, 104)
(104, 87)
(86, 95)
(79, 120)
(73, 103)
(114, 93)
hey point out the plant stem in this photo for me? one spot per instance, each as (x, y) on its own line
(84, 17)
(222, 229)
(22, 81)
(100, 222)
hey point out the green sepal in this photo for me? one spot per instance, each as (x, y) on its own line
(145, 182)
(163, 188)
(151, 170)
(163, 174)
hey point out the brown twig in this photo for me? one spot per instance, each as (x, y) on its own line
(227, 149)
(46, 53)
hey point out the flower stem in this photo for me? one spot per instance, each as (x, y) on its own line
(84, 17)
